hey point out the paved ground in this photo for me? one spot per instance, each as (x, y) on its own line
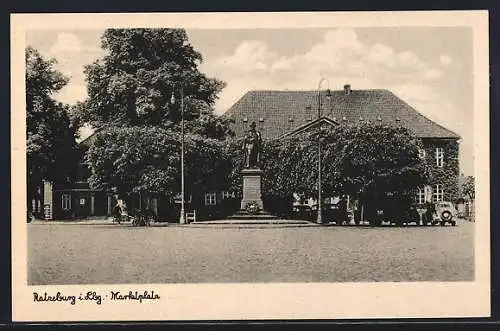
(105, 253)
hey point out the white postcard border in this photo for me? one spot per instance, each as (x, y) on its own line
(258, 301)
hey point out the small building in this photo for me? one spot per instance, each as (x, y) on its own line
(73, 198)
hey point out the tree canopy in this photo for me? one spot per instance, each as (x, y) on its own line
(51, 133)
(355, 159)
(132, 85)
(139, 159)
(381, 158)
(135, 93)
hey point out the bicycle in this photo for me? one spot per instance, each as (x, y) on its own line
(142, 218)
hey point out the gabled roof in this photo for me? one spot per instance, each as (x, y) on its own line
(279, 112)
(317, 122)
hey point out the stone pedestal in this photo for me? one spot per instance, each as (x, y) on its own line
(251, 187)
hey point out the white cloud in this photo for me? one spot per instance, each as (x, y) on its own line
(380, 55)
(340, 56)
(407, 60)
(66, 42)
(445, 60)
(433, 74)
(249, 56)
(283, 64)
(337, 48)
(72, 93)
(72, 55)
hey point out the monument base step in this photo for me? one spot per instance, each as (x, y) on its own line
(253, 222)
(262, 217)
(243, 215)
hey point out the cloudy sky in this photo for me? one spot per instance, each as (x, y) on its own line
(429, 68)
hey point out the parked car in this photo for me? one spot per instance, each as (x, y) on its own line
(332, 212)
(302, 212)
(391, 209)
(445, 213)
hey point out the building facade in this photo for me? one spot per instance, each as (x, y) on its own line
(277, 114)
(73, 199)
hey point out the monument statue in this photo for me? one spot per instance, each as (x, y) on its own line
(252, 147)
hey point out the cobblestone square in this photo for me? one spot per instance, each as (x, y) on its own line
(114, 254)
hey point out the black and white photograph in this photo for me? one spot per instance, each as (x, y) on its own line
(250, 166)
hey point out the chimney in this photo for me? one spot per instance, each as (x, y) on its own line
(347, 89)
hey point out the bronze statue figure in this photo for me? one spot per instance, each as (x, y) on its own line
(251, 147)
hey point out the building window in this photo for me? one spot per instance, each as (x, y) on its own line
(210, 198)
(227, 195)
(439, 157)
(423, 194)
(66, 201)
(421, 153)
(438, 193)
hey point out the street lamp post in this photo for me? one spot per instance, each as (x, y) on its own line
(172, 101)
(319, 219)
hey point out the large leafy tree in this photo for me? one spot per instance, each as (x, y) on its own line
(135, 93)
(132, 84)
(146, 159)
(357, 160)
(51, 133)
(378, 158)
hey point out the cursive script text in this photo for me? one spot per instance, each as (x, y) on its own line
(134, 296)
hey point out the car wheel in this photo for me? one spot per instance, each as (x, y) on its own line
(442, 223)
(446, 215)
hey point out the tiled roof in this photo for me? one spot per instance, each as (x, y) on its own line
(278, 112)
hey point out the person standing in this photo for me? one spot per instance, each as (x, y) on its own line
(119, 211)
(343, 210)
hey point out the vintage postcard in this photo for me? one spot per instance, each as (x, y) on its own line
(243, 166)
